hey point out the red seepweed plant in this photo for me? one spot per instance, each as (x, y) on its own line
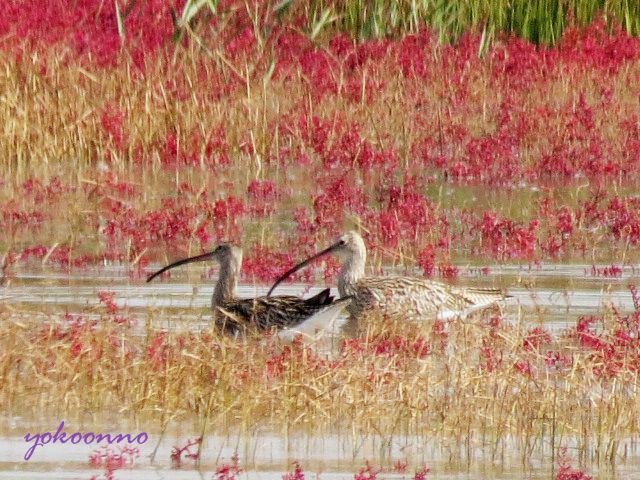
(181, 453)
(112, 460)
(229, 471)
(544, 126)
(566, 471)
(297, 474)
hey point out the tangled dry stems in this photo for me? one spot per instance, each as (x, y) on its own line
(479, 381)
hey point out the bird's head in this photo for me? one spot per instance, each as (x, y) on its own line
(224, 254)
(348, 245)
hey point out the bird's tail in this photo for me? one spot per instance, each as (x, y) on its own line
(476, 299)
(322, 298)
(481, 295)
(318, 323)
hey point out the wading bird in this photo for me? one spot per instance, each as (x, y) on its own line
(397, 296)
(289, 315)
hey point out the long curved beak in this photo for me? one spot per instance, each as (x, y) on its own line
(197, 258)
(302, 264)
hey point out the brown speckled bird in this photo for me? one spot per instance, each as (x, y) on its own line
(397, 296)
(290, 315)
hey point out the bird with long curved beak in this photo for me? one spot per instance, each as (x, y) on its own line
(402, 297)
(289, 315)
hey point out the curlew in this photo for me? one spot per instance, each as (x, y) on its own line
(397, 296)
(289, 315)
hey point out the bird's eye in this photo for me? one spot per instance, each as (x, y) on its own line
(341, 242)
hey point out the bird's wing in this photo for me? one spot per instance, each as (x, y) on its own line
(418, 297)
(280, 312)
(234, 316)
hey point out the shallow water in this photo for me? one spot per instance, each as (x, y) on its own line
(551, 294)
(554, 295)
(267, 456)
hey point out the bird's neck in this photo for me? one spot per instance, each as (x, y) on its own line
(227, 282)
(352, 271)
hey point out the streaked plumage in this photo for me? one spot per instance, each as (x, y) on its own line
(397, 296)
(415, 298)
(264, 313)
(287, 314)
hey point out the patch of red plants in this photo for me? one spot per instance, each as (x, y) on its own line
(354, 172)
(112, 460)
(567, 472)
(229, 471)
(180, 453)
(297, 473)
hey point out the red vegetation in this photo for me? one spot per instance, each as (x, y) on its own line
(368, 472)
(229, 471)
(567, 472)
(180, 453)
(111, 460)
(297, 473)
(513, 138)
